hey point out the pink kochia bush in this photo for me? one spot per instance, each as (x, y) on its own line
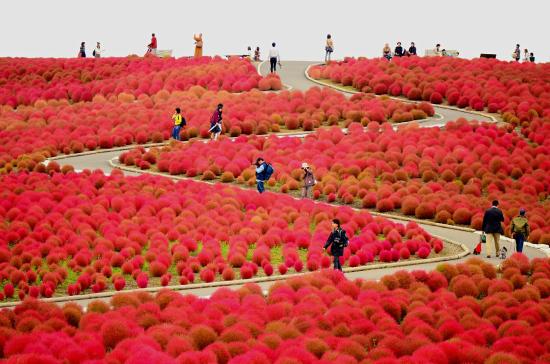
(448, 175)
(156, 232)
(30, 134)
(29, 80)
(465, 313)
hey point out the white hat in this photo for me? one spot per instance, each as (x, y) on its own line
(305, 165)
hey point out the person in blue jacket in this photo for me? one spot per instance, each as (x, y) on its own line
(261, 169)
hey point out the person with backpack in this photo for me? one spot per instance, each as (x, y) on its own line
(337, 241)
(179, 122)
(309, 180)
(492, 227)
(264, 171)
(216, 123)
(520, 229)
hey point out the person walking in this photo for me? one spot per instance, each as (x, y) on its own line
(263, 173)
(309, 180)
(152, 47)
(216, 123)
(179, 122)
(520, 229)
(198, 45)
(257, 55)
(412, 49)
(492, 227)
(517, 53)
(398, 52)
(337, 241)
(525, 55)
(329, 48)
(82, 51)
(386, 52)
(274, 58)
(97, 51)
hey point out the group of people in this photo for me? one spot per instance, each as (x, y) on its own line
(96, 53)
(399, 51)
(492, 229)
(216, 122)
(527, 56)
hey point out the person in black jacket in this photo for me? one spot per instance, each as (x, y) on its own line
(398, 50)
(337, 241)
(492, 226)
(412, 49)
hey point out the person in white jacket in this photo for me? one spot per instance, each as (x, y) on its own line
(97, 50)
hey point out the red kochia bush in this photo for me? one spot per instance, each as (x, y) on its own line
(417, 316)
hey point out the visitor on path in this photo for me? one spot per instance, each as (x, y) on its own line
(198, 45)
(492, 227)
(517, 53)
(274, 58)
(152, 47)
(97, 51)
(337, 241)
(216, 123)
(329, 48)
(520, 229)
(257, 55)
(531, 57)
(398, 50)
(386, 52)
(82, 51)
(249, 53)
(309, 180)
(412, 49)
(179, 122)
(437, 49)
(525, 55)
(264, 171)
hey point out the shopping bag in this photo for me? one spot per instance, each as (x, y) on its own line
(477, 249)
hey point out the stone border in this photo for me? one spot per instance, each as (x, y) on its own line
(100, 151)
(342, 89)
(239, 282)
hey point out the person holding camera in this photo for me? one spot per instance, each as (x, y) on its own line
(309, 180)
(337, 241)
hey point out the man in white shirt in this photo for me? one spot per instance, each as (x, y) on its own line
(274, 58)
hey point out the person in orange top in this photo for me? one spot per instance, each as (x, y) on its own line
(198, 45)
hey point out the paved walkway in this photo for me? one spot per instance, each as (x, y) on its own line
(293, 74)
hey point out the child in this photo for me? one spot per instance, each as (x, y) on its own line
(179, 121)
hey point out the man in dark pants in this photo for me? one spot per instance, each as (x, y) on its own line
(274, 58)
(337, 241)
(492, 226)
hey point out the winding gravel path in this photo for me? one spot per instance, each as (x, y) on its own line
(293, 74)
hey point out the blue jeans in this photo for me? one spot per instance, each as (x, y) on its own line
(519, 242)
(176, 132)
(261, 188)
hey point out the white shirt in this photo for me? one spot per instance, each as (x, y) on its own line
(273, 53)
